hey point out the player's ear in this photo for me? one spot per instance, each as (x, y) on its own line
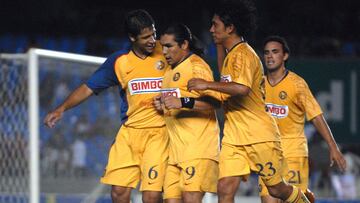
(185, 45)
(132, 38)
(286, 56)
(230, 29)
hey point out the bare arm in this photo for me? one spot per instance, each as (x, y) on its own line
(221, 53)
(75, 98)
(203, 103)
(231, 88)
(335, 155)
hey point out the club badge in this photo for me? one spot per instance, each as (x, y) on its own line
(282, 95)
(176, 76)
(159, 65)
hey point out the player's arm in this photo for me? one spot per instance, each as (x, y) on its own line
(220, 53)
(75, 98)
(158, 103)
(202, 103)
(231, 88)
(335, 154)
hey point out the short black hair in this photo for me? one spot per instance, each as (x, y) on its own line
(181, 33)
(281, 40)
(136, 21)
(240, 13)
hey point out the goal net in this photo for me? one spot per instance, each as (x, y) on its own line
(62, 164)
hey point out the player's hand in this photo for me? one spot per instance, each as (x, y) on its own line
(337, 157)
(172, 102)
(158, 103)
(53, 117)
(197, 84)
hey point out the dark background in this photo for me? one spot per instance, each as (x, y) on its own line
(313, 28)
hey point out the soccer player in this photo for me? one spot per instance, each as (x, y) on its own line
(192, 126)
(251, 139)
(289, 100)
(140, 151)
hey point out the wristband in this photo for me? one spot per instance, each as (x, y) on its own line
(187, 102)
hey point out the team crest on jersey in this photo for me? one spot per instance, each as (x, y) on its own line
(159, 65)
(171, 92)
(176, 76)
(282, 95)
(145, 85)
(225, 78)
(277, 111)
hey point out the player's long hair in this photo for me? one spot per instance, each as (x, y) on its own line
(136, 21)
(240, 13)
(182, 33)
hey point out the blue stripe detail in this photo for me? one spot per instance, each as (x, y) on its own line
(124, 106)
(105, 77)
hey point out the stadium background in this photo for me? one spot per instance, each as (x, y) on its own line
(325, 50)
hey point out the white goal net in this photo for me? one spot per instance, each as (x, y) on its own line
(63, 164)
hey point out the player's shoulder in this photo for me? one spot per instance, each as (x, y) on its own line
(118, 54)
(295, 77)
(198, 63)
(245, 53)
(297, 80)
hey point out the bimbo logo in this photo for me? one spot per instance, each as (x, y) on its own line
(277, 111)
(225, 78)
(145, 85)
(171, 92)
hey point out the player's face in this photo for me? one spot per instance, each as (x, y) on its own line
(146, 40)
(274, 56)
(173, 52)
(218, 30)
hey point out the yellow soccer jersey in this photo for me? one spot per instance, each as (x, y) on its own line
(289, 102)
(141, 80)
(246, 120)
(193, 134)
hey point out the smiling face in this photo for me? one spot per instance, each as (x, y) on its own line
(274, 56)
(145, 41)
(173, 52)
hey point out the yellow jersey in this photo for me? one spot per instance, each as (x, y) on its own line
(139, 80)
(193, 134)
(246, 120)
(289, 102)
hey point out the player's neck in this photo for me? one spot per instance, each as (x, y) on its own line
(275, 76)
(139, 53)
(232, 41)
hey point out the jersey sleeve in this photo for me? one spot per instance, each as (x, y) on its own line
(306, 101)
(206, 74)
(104, 77)
(242, 71)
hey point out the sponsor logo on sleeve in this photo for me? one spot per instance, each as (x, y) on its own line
(277, 111)
(171, 92)
(225, 78)
(144, 85)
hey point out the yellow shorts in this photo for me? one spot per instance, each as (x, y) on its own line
(198, 175)
(297, 173)
(138, 154)
(264, 158)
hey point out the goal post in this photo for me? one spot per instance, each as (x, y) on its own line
(28, 63)
(34, 123)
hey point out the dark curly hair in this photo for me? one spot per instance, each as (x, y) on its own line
(240, 13)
